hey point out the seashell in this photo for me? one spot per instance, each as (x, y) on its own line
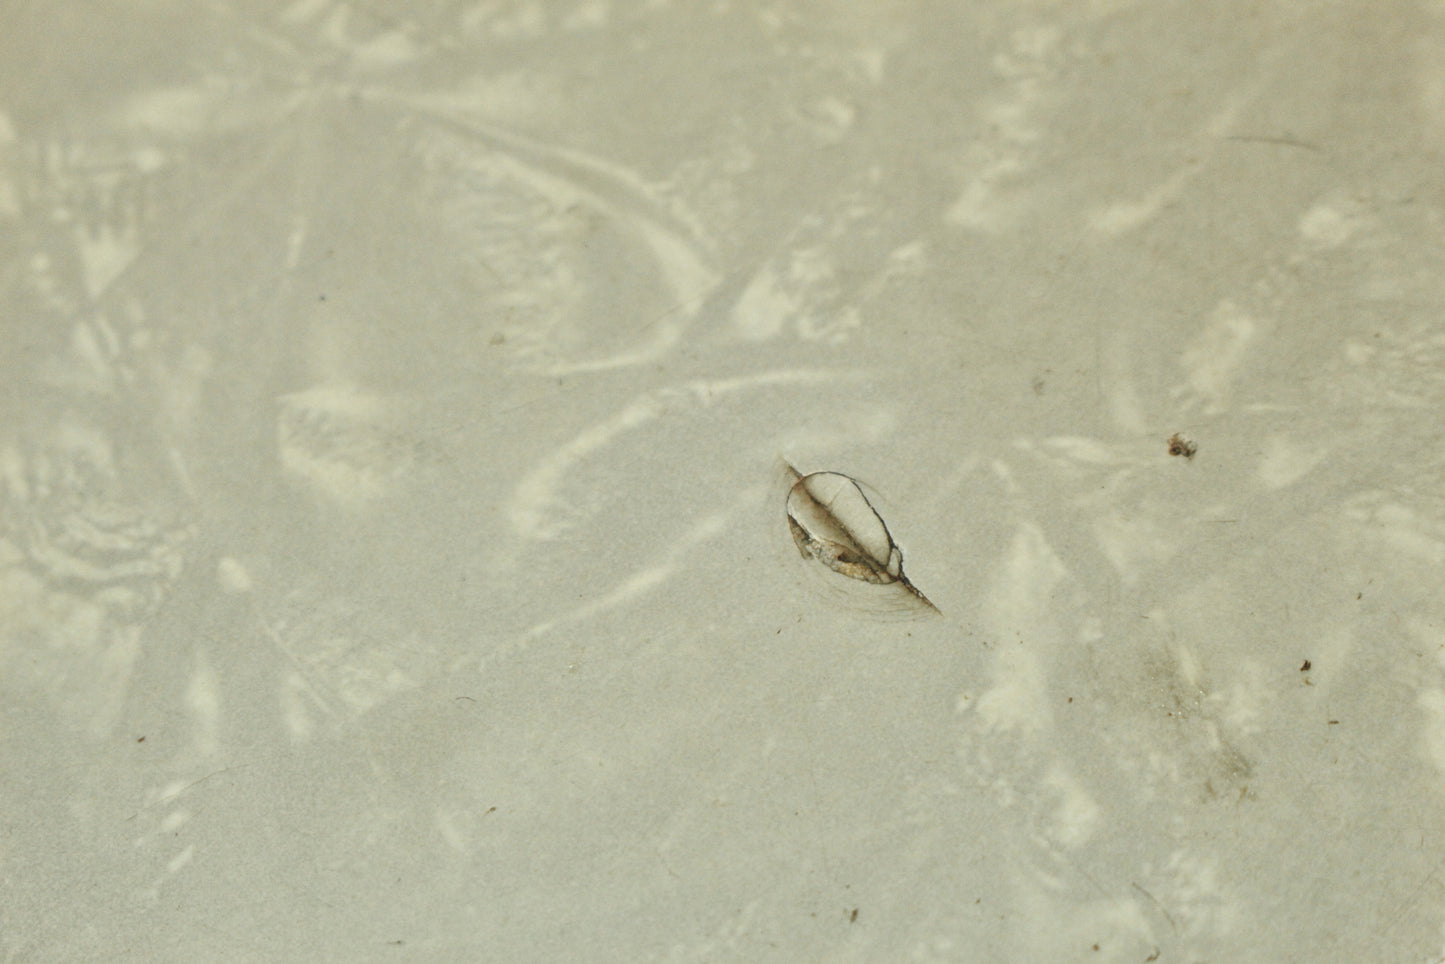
(833, 522)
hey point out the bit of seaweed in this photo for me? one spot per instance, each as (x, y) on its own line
(832, 521)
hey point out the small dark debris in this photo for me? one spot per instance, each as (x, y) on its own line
(1096, 947)
(1179, 445)
(1333, 722)
(1152, 957)
(140, 739)
(1305, 666)
(491, 810)
(853, 916)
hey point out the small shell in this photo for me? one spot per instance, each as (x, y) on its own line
(833, 522)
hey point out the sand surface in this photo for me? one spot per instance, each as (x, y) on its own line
(398, 409)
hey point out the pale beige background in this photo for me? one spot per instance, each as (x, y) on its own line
(393, 561)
